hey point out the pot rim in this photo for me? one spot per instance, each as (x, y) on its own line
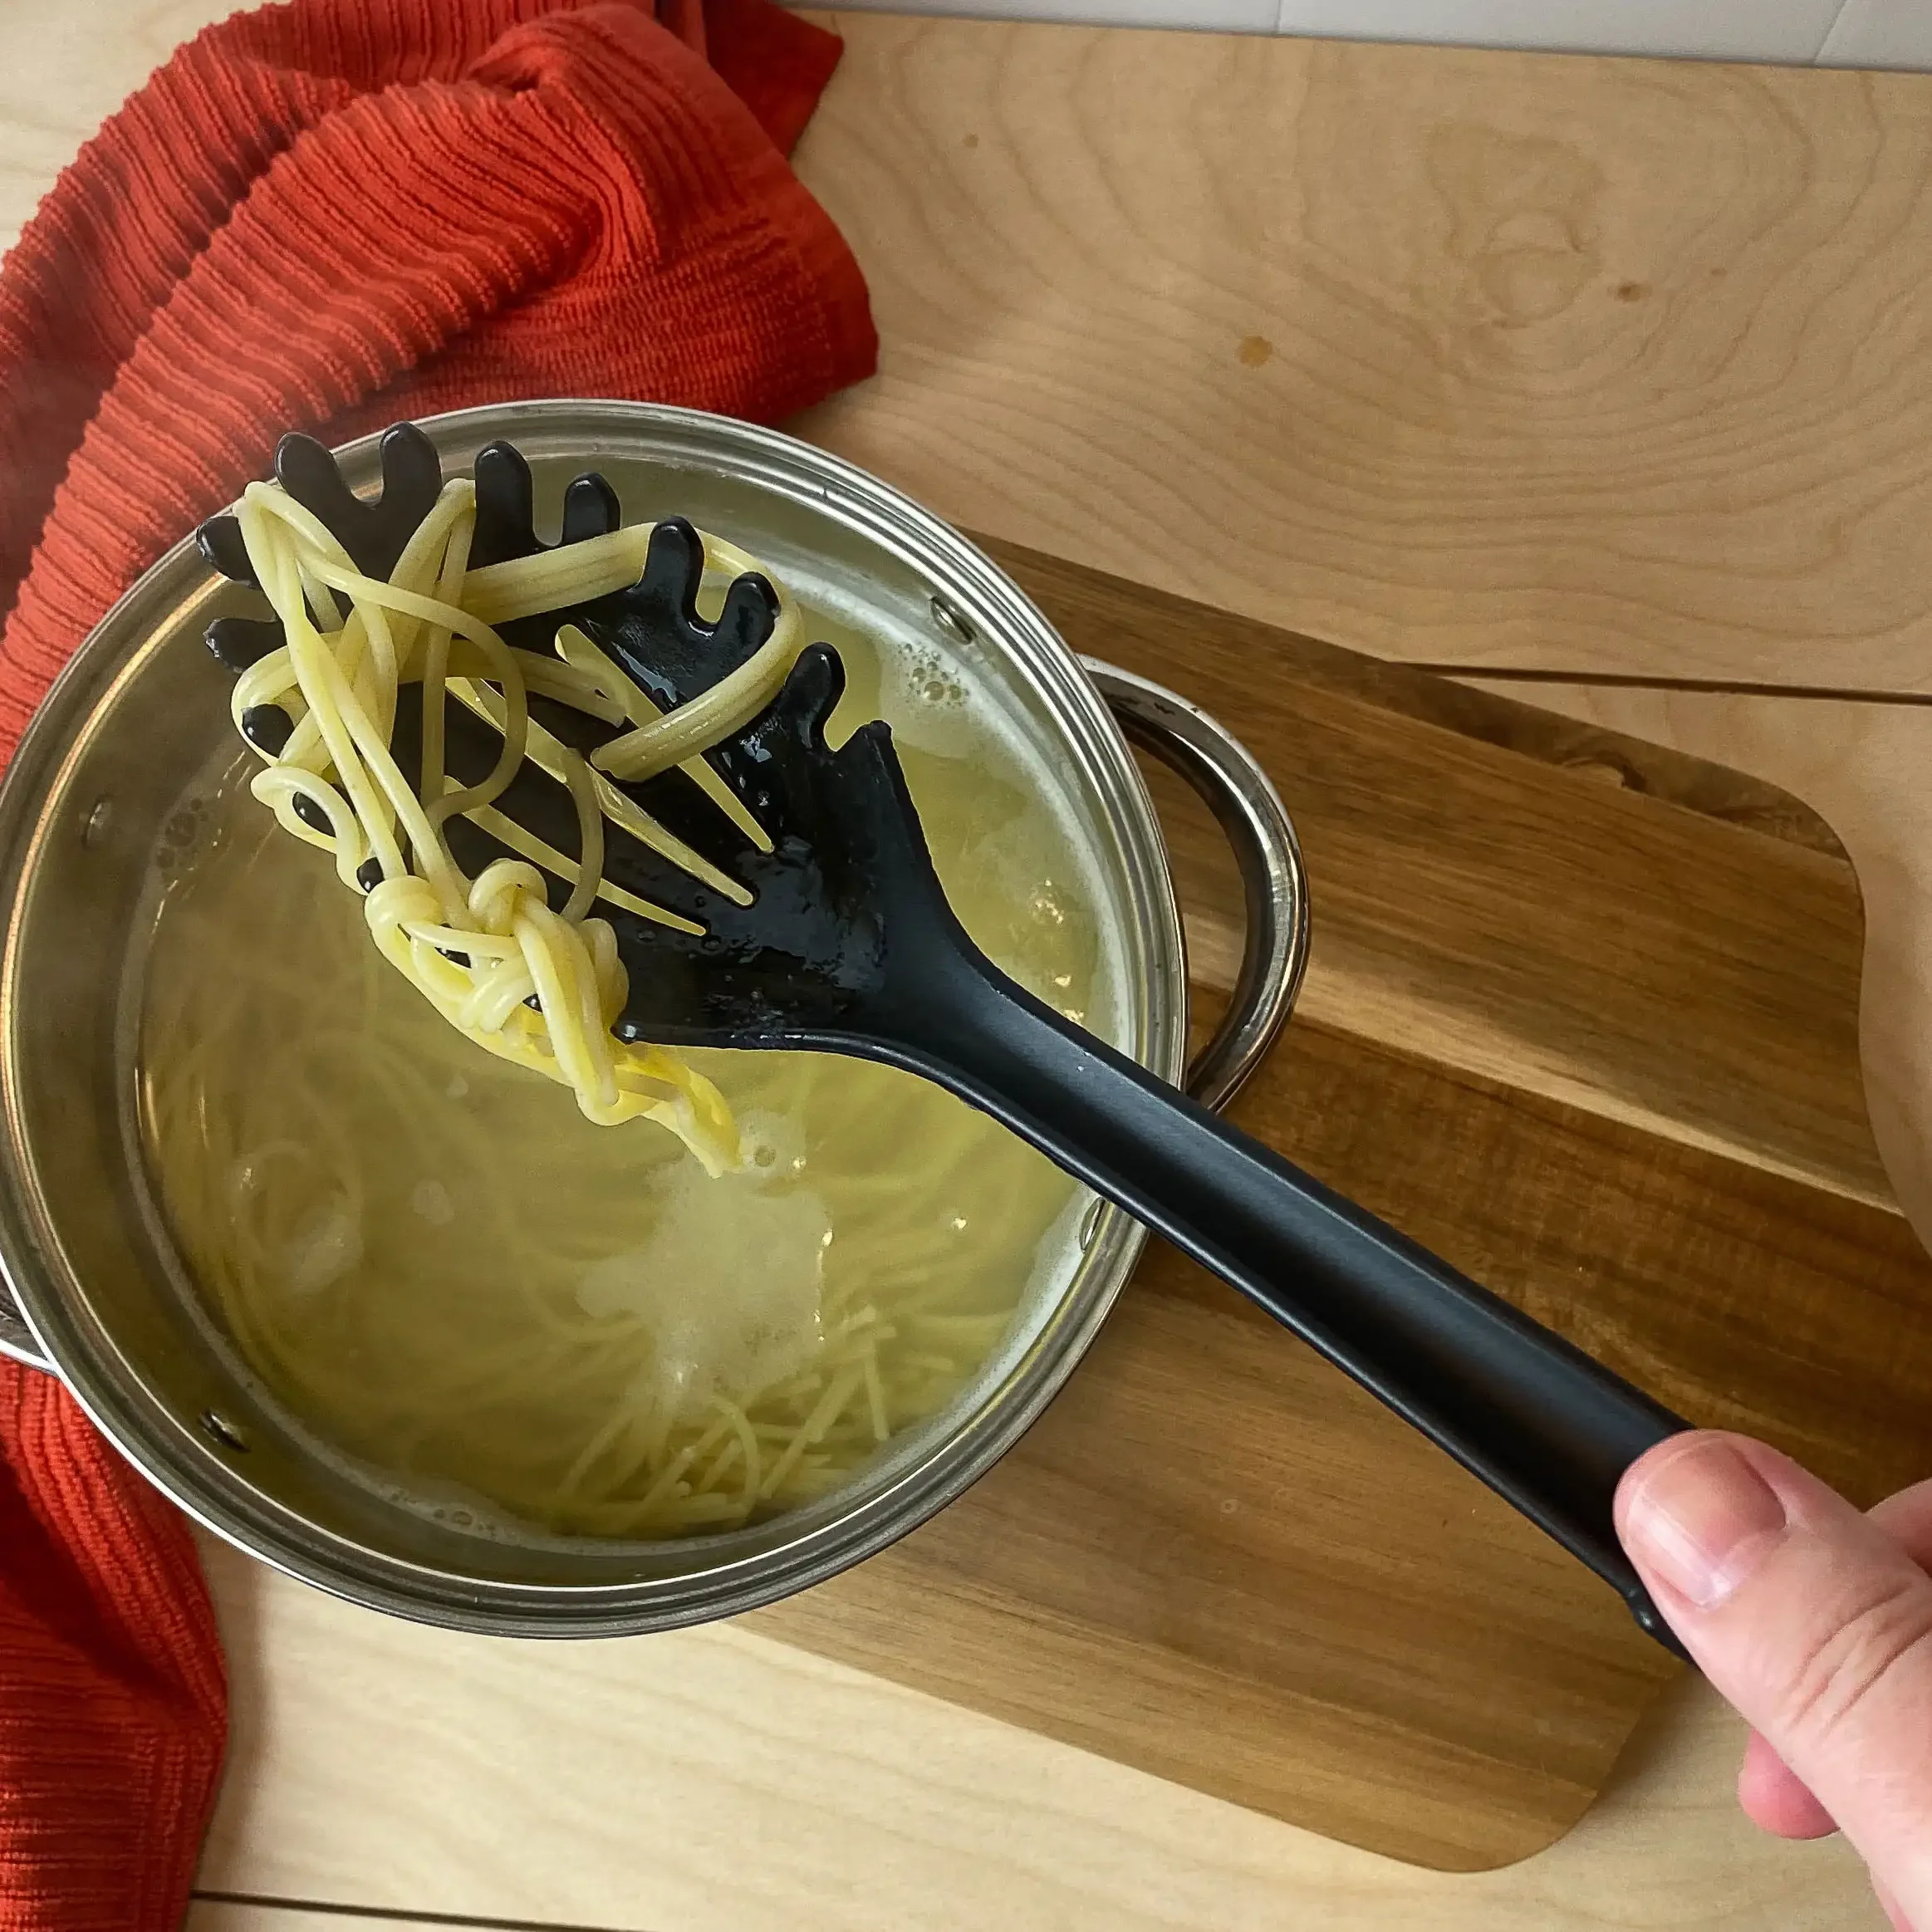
(940, 1460)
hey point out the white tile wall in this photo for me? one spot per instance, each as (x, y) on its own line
(1846, 33)
(1760, 30)
(1880, 33)
(1219, 15)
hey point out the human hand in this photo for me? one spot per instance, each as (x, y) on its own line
(1816, 1621)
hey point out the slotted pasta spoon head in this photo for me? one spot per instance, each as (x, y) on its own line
(801, 909)
(837, 898)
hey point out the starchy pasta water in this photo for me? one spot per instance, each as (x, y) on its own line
(442, 1268)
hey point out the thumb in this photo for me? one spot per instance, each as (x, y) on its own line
(1813, 1621)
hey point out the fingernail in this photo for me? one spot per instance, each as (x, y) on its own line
(1703, 1521)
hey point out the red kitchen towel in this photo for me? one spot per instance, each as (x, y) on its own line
(334, 213)
(113, 1706)
(328, 215)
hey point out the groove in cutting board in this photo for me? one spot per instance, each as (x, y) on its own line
(1582, 1014)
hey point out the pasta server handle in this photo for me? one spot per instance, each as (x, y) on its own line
(1551, 1431)
(850, 946)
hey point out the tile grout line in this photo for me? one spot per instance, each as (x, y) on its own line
(383, 1915)
(1838, 20)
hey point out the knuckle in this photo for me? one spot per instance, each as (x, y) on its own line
(1888, 1628)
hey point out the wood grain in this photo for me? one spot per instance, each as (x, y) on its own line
(1484, 359)
(252, 1915)
(63, 69)
(713, 1780)
(1447, 355)
(1598, 1045)
(1513, 867)
(1865, 766)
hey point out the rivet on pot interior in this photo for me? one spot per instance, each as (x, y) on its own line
(949, 620)
(1090, 1222)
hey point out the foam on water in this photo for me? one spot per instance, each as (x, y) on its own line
(758, 1229)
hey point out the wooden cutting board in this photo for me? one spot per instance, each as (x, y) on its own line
(1582, 1015)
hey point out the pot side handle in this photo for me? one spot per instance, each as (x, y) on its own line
(1234, 786)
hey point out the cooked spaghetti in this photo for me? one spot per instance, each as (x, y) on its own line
(494, 1309)
(535, 986)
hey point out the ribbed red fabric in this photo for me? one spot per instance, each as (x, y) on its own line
(113, 1706)
(328, 215)
(339, 212)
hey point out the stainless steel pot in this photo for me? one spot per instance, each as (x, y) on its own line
(140, 711)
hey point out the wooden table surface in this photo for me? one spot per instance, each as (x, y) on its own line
(1610, 380)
